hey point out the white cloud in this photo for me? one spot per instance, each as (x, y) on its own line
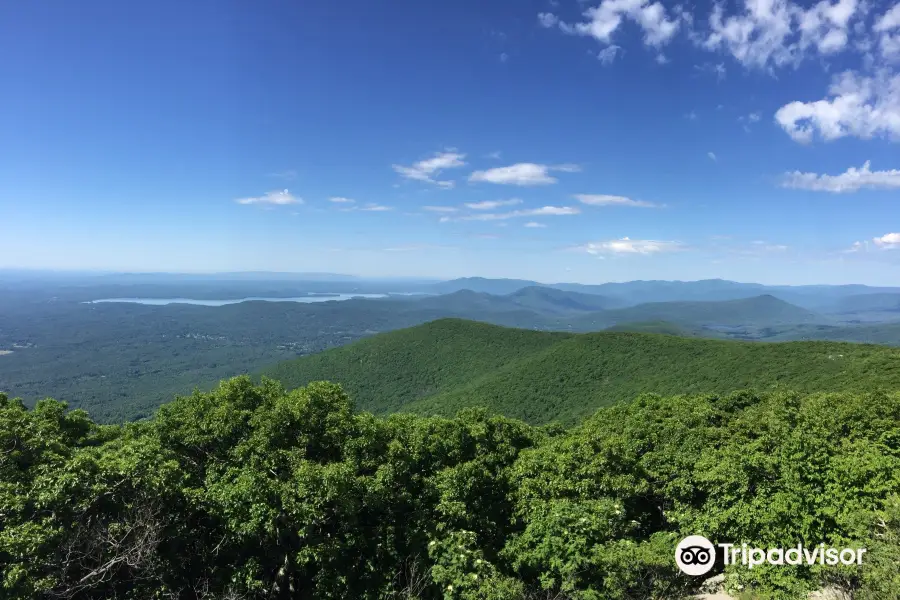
(858, 105)
(544, 211)
(630, 246)
(548, 210)
(712, 156)
(608, 54)
(548, 20)
(523, 174)
(282, 197)
(440, 209)
(493, 155)
(534, 224)
(887, 26)
(851, 180)
(372, 207)
(605, 19)
(775, 33)
(718, 69)
(888, 241)
(341, 200)
(661, 59)
(417, 248)
(426, 170)
(492, 204)
(607, 200)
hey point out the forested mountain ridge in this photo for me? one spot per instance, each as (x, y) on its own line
(443, 366)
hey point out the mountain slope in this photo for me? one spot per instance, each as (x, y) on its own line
(440, 367)
(662, 327)
(481, 284)
(759, 311)
(386, 372)
(547, 300)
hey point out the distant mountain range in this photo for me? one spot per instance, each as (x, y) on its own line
(826, 298)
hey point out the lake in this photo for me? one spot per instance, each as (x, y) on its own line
(302, 299)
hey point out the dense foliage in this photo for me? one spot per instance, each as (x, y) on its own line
(440, 367)
(250, 491)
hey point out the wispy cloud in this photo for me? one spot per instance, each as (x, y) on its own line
(544, 211)
(288, 175)
(341, 200)
(608, 54)
(749, 120)
(282, 197)
(418, 248)
(717, 69)
(534, 225)
(372, 207)
(851, 180)
(889, 241)
(607, 200)
(427, 170)
(440, 209)
(712, 156)
(629, 246)
(522, 174)
(602, 21)
(492, 204)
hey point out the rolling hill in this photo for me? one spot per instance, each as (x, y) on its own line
(662, 327)
(445, 365)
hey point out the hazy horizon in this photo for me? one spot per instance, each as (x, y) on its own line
(332, 276)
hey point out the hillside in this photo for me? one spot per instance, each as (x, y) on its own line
(387, 372)
(440, 367)
(553, 301)
(883, 333)
(662, 327)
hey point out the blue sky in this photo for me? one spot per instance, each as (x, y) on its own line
(554, 140)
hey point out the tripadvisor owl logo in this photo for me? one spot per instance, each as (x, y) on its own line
(695, 555)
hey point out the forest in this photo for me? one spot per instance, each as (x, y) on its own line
(540, 377)
(252, 491)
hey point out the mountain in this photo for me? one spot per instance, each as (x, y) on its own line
(555, 301)
(759, 311)
(881, 302)
(445, 365)
(480, 284)
(813, 297)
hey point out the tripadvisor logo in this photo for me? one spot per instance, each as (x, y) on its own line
(696, 555)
